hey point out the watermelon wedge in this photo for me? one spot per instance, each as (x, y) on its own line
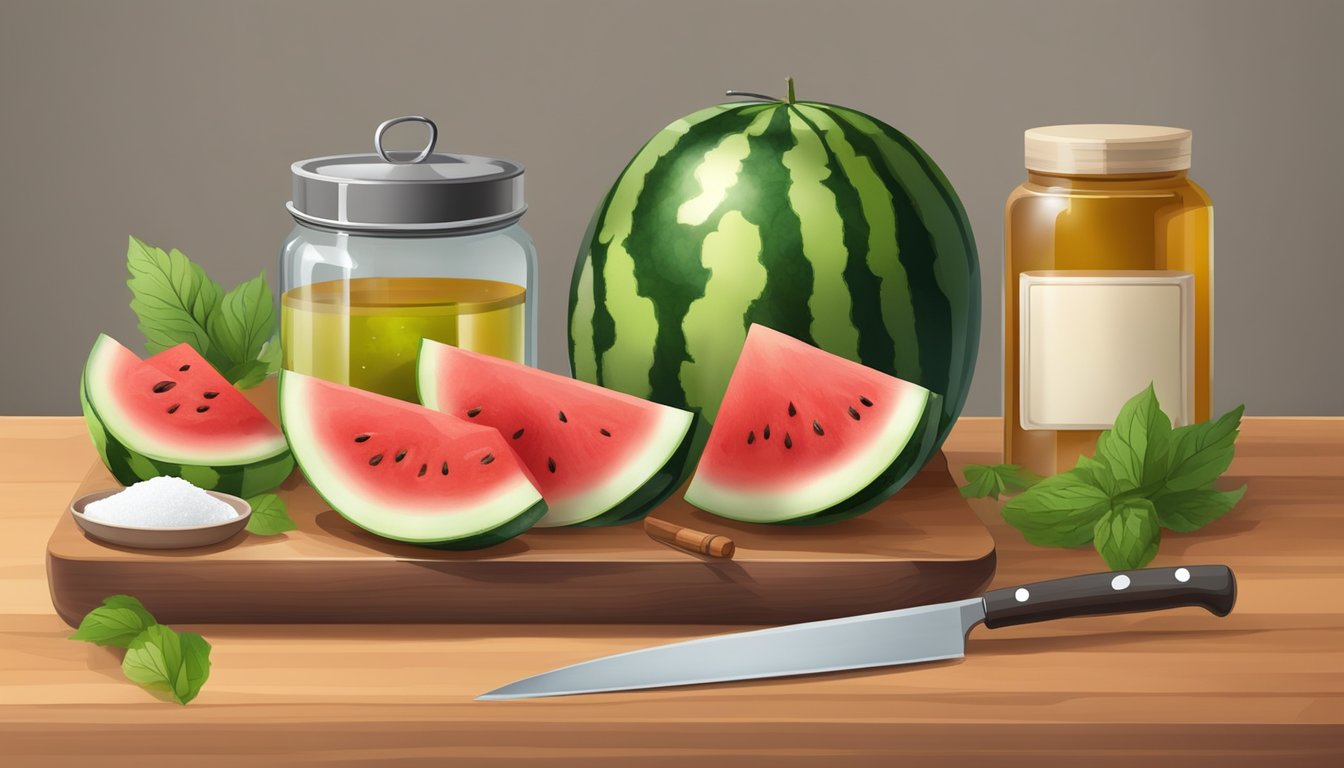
(804, 436)
(173, 414)
(403, 471)
(599, 457)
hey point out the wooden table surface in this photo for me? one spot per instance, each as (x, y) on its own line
(1264, 686)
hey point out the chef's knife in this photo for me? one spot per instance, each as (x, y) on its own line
(908, 636)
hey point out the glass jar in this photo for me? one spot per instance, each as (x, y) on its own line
(1108, 256)
(393, 247)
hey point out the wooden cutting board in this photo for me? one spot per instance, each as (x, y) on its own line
(924, 545)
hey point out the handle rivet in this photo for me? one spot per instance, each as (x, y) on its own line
(1120, 582)
(1022, 595)
(1182, 575)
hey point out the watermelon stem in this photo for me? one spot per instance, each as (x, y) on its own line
(764, 97)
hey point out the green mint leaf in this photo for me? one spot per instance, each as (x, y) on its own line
(247, 375)
(270, 354)
(993, 479)
(1190, 510)
(1201, 453)
(1137, 449)
(173, 665)
(115, 623)
(1059, 511)
(243, 323)
(1097, 473)
(983, 486)
(126, 601)
(981, 482)
(1128, 535)
(269, 515)
(172, 298)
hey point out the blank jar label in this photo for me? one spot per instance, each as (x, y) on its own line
(1090, 340)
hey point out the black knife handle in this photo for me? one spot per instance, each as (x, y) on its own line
(1151, 589)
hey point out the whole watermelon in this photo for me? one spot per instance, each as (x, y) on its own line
(812, 219)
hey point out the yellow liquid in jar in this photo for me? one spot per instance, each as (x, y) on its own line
(366, 332)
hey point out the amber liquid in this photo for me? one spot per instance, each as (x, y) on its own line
(366, 332)
(1134, 222)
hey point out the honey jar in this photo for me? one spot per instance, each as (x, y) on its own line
(1108, 288)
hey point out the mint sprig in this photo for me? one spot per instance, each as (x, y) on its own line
(1145, 476)
(176, 302)
(171, 665)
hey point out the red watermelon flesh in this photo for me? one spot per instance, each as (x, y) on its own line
(176, 407)
(403, 471)
(805, 436)
(598, 456)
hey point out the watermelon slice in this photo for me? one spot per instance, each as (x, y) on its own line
(403, 471)
(173, 414)
(599, 457)
(804, 436)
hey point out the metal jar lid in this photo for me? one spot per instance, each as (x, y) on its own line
(405, 192)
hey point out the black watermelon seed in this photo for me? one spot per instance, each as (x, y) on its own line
(423, 469)
(211, 395)
(792, 411)
(562, 417)
(604, 432)
(550, 464)
(173, 408)
(853, 414)
(816, 427)
(361, 438)
(788, 441)
(185, 368)
(377, 457)
(164, 386)
(866, 402)
(487, 458)
(202, 408)
(474, 412)
(400, 455)
(766, 433)
(751, 437)
(445, 467)
(517, 434)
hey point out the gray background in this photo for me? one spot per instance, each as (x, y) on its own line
(177, 122)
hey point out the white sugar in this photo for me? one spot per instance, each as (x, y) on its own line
(161, 502)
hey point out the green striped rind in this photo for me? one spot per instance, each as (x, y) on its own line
(130, 467)
(814, 220)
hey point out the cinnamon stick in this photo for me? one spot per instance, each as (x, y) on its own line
(689, 539)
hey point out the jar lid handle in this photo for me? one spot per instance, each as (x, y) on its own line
(424, 153)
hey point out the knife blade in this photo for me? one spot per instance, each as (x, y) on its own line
(890, 638)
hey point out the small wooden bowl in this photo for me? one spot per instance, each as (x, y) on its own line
(160, 538)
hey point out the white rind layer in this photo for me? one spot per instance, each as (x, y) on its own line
(801, 497)
(101, 385)
(428, 524)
